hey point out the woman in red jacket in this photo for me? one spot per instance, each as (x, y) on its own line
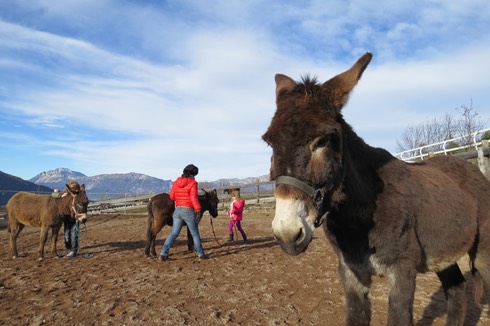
(184, 193)
(236, 215)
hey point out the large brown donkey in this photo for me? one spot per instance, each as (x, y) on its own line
(383, 216)
(161, 209)
(47, 212)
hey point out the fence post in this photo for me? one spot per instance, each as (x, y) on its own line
(125, 202)
(222, 194)
(483, 162)
(258, 189)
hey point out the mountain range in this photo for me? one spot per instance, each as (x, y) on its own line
(104, 186)
(10, 184)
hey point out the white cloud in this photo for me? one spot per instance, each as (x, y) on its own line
(148, 88)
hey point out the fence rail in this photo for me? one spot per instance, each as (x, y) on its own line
(263, 192)
(423, 152)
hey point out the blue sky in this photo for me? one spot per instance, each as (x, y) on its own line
(105, 86)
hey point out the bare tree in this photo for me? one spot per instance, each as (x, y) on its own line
(469, 123)
(438, 130)
(429, 132)
(411, 138)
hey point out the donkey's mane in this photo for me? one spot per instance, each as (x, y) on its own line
(309, 85)
(309, 81)
(310, 90)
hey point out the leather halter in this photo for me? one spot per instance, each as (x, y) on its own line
(73, 208)
(318, 194)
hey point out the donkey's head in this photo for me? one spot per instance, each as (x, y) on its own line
(209, 202)
(307, 152)
(79, 202)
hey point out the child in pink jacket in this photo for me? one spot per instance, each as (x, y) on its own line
(236, 215)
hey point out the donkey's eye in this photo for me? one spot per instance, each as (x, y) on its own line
(320, 143)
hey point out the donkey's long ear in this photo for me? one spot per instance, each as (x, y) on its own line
(283, 82)
(67, 187)
(341, 85)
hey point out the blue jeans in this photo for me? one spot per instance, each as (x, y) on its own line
(184, 215)
(72, 235)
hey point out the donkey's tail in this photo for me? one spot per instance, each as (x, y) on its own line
(478, 284)
(8, 224)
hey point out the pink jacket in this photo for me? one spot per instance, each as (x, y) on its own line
(237, 211)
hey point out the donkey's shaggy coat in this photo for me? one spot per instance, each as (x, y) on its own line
(383, 217)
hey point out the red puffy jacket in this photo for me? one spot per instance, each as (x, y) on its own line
(184, 193)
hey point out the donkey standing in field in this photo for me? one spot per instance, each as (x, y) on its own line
(383, 217)
(161, 209)
(47, 212)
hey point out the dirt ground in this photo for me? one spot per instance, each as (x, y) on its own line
(112, 282)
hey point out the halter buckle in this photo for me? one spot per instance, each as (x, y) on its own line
(319, 222)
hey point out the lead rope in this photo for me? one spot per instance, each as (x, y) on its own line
(74, 210)
(214, 233)
(77, 215)
(87, 254)
(86, 231)
(235, 231)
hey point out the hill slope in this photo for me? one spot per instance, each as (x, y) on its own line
(10, 184)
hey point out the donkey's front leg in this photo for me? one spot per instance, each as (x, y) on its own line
(401, 287)
(356, 288)
(54, 239)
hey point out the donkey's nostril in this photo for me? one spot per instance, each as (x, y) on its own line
(299, 236)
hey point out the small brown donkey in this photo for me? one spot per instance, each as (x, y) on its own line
(47, 212)
(161, 209)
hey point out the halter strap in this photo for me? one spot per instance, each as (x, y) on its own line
(73, 208)
(291, 181)
(317, 194)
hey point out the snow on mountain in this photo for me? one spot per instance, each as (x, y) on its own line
(57, 176)
(104, 185)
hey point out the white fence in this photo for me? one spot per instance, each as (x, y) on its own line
(442, 147)
(254, 193)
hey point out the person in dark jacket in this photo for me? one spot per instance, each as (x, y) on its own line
(184, 193)
(72, 226)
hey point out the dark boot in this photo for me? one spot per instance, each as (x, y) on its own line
(244, 237)
(230, 239)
